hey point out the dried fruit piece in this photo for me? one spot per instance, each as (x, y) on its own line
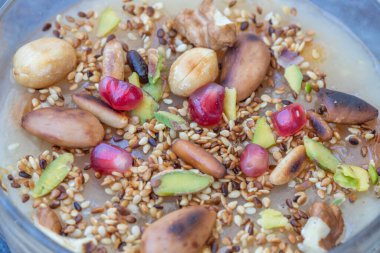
(120, 95)
(320, 154)
(179, 182)
(185, 230)
(270, 218)
(294, 77)
(352, 177)
(289, 120)
(193, 69)
(145, 110)
(171, 120)
(53, 175)
(106, 158)
(108, 21)
(230, 103)
(138, 65)
(263, 134)
(373, 173)
(254, 161)
(155, 65)
(206, 104)
(342, 108)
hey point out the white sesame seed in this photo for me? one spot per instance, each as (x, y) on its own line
(168, 101)
(159, 127)
(312, 75)
(232, 205)
(250, 210)
(181, 48)
(106, 241)
(78, 77)
(266, 98)
(85, 204)
(131, 36)
(234, 194)
(238, 220)
(240, 209)
(369, 136)
(225, 133)
(51, 100)
(135, 230)
(143, 141)
(102, 231)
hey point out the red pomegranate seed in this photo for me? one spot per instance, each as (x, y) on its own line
(120, 95)
(289, 120)
(206, 104)
(107, 158)
(254, 161)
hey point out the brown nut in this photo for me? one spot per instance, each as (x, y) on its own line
(185, 230)
(332, 216)
(192, 70)
(245, 65)
(47, 218)
(206, 27)
(342, 108)
(289, 167)
(198, 158)
(113, 60)
(101, 110)
(322, 129)
(43, 62)
(73, 128)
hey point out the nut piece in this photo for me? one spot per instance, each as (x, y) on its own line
(206, 27)
(289, 167)
(342, 108)
(43, 62)
(185, 230)
(192, 70)
(113, 60)
(101, 110)
(322, 129)
(49, 219)
(198, 158)
(72, 128)
(332, 216)
(245, 65)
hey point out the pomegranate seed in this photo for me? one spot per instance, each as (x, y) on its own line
(254, 161)
(107, 158)
(289, 120)
(206, 104)
(120, 95)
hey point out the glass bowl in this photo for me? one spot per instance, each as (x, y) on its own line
(18, 21)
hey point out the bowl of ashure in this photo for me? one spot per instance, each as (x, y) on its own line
(186, 126)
